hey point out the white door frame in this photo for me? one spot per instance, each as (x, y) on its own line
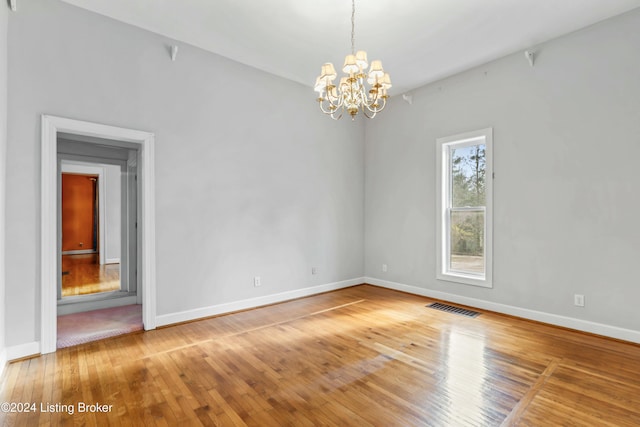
(51, 126)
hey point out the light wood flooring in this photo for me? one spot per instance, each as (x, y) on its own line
(362, 356)
(83, 275)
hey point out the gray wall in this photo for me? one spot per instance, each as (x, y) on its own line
(4, 12)
(566, 153)
(250, 178)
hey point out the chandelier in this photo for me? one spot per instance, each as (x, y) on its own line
(351, 94)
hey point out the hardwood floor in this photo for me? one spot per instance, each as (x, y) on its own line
(362, 356)
(83, 275)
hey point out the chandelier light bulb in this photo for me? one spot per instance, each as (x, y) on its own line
(361, 59)
(320, 85)
(376, 71)
(328, 73)
(386, 81)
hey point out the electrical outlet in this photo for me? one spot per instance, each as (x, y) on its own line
(314, 270)
(578, 300)
(384, 268)
(256, 281)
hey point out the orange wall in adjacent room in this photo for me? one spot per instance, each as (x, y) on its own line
(78, 211)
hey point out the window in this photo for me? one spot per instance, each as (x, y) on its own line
(464, 192)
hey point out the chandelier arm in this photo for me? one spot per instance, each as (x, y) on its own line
(325, 110)
(364, 112)
(374, 100)
(372, 109)
(335, 101)
(384, 104)
(363, 95)
(381, 105)
(368, 104)
(371, 105)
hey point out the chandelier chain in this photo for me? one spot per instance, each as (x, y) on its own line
(353, 27)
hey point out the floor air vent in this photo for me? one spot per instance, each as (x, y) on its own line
(455, 310)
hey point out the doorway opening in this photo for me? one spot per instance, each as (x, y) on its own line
(97, 230)
(97, 241)
(78, 144)
(90, 229)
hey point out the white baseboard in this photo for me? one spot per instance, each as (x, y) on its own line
(112, 261)
(30, 349)
(23, 350)
(80, 252)
(214, 310)
(540, 316)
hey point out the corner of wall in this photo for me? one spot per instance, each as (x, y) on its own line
(4, 21)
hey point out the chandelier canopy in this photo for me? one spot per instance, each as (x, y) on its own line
(351, 94)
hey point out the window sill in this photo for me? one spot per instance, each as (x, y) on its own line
(465, 279)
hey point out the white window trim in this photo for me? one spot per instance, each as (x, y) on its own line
(442, 182)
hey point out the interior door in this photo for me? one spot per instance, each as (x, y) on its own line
(79, 212)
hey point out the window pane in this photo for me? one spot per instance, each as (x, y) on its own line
(467, 241)
(468, 166)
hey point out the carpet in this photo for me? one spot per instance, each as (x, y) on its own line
(80, 328)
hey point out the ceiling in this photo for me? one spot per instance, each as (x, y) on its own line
(418, 41)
